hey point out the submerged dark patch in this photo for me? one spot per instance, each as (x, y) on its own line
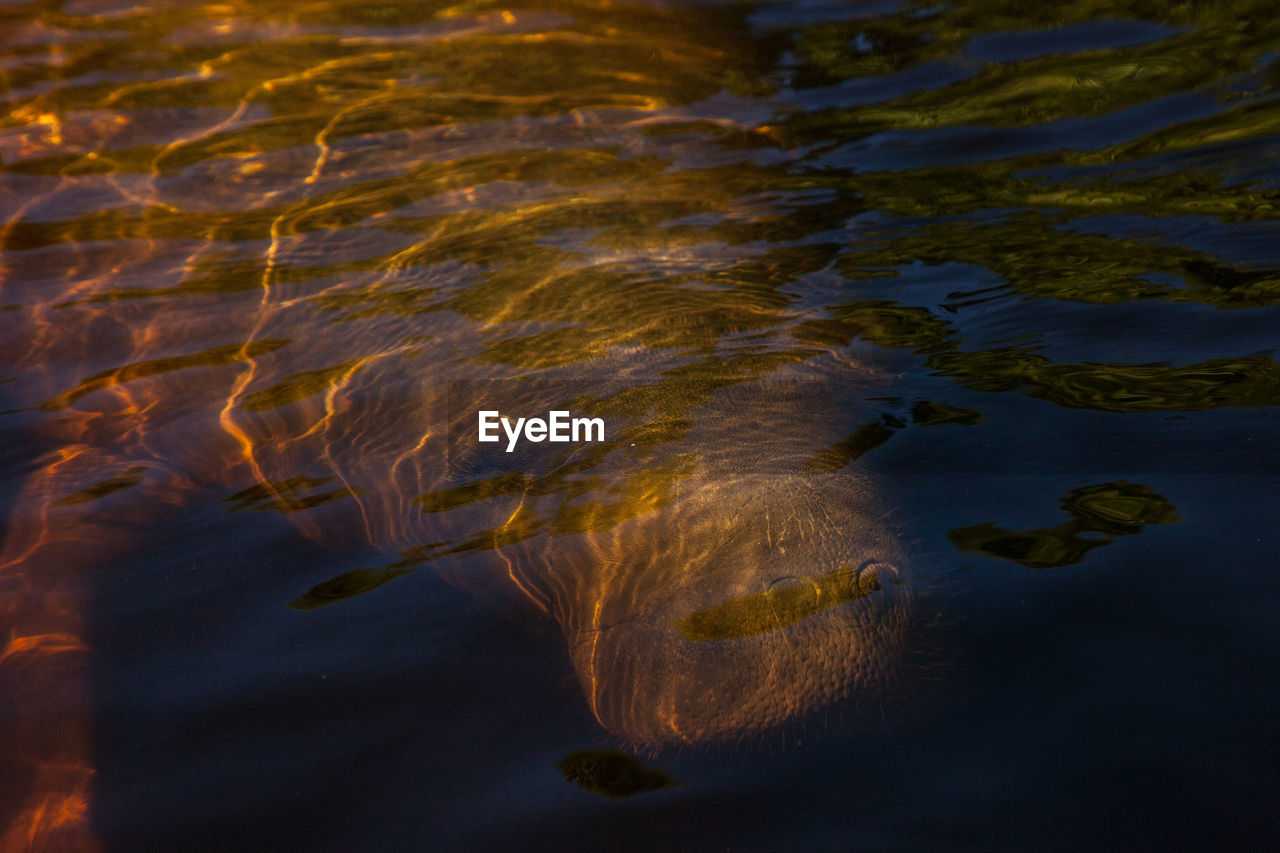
(613, 774)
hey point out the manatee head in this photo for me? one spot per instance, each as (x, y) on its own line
(744, 603)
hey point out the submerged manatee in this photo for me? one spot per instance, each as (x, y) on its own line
(709, 584)
(746, 602)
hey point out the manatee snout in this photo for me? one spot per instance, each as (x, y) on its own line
(716, 619)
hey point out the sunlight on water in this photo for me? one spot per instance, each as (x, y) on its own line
(251, 254)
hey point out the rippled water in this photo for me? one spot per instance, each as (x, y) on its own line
(937, 343)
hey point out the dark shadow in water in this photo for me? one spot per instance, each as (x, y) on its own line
(125, 479)
(610, 773)
(347, 585)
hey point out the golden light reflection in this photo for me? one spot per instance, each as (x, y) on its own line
(46, 747)
(248, 245)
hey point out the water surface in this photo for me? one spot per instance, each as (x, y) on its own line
(990, 291)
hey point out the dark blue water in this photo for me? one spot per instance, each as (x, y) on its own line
(992, 288)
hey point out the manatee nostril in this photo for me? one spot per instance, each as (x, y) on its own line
(879, 570)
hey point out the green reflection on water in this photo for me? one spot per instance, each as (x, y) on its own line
(126, 479)
(299, 385)
(569, 183)
(930, 413)
(866, 437)
(287, 495)
(1098, 513)
(215, 357)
